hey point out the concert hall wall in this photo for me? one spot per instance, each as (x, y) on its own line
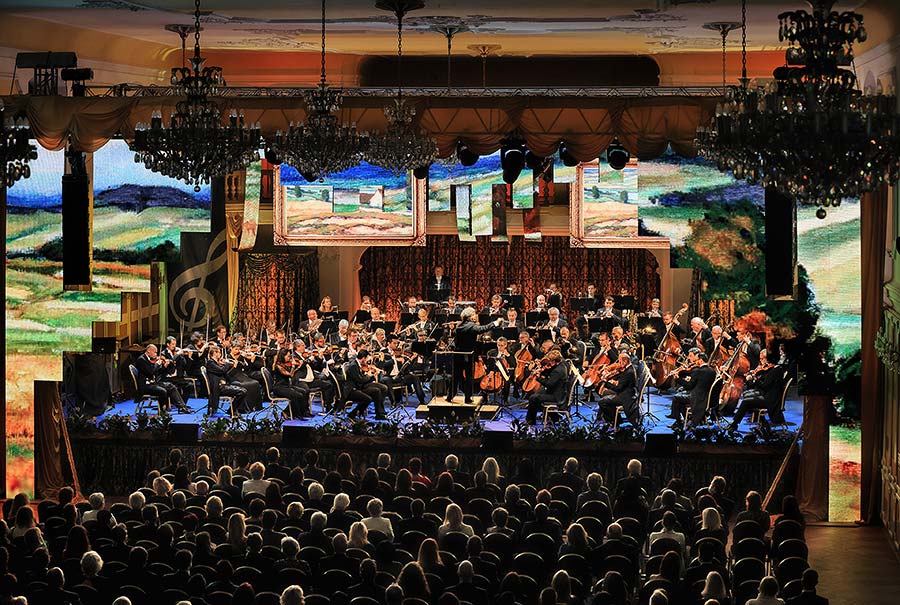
(138, 217)
(480, 269)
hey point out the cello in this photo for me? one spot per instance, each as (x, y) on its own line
(523, 357)
(665, 358)
(495, 379)
(531, 383)
(591, 375)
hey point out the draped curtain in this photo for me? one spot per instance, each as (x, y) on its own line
(279, 287)
(481, 269)
(873, 235)
(645, 126)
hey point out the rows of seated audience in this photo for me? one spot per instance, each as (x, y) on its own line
(265, 534)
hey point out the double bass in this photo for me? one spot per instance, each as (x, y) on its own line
(734, 374)
(665, 358)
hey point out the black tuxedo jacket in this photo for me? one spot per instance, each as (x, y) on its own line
(698, 382)
(554, 382)
(148, 372)
(467, 333)
(356, 378)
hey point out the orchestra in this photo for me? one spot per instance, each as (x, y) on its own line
(501, 353)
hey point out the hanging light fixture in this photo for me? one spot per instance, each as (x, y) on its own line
(196, 145)
(16, 150)
(811, 133)
(321, 145)
(403, 146)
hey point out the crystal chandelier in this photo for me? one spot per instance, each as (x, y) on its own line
(15, 149)
(810, 133)
(196, 145)
(322, 145)
(403, 146)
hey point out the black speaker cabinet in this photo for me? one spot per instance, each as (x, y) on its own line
(781, 245)
(492, 440)
(297, 435)
(660, 445)
(185, 433)
(76, 233)
(103, 344)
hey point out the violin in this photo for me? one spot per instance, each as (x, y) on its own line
(609, 374)
(685, 367)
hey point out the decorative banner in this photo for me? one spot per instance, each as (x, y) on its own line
(198, 292)
(499, 200)
(523, 190)
(482, 215)
(461, 195)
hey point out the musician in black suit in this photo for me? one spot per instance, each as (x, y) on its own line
(698, 337)
(609, 311)
(283, 377)
(177, 363)
(571, 348)
(752, 349)
(718, 339)
(694, 392)
(219, 370)
(397, 370)
(361, 387)
(198, 348)
(438, 285)
(622, 387)
(422, 324)
(554, 296)
(312, 322)
(763, 392)
(221, 336)
(555, 322)
(152, 370)
(669, 319)
(495, 308)
(512, 320)
(553, 378)
(466, 335)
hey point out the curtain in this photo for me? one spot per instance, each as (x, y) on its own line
(277, 287)
(51, 443)
(481, 269)
(645, 126)
(873, 228)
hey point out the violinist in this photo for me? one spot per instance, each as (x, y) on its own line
(396, 368)
(219, 371)
(275, 345)
(695, 379)
(495, 309)
(151, 380)
(698, 337)
(765, 384)
(362, 388)
(297, 394)
(221, 337)
(195, 361)
(552, 378)
(268, 332)
(240, 376)
(250, 361)
(620, 379)
(340, 337)
(379, 341)
(177, 361)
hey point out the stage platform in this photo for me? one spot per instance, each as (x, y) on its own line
(413, 411)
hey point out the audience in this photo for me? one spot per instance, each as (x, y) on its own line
(269, 528)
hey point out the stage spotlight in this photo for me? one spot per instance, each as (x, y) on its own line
(272, 156)
(512, 160)
(421, 172)
(616, 155)
(466, 156)
(534, 161)
(567, 158)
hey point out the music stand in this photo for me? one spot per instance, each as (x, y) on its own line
(328, 314)
(533, 318)
(343, 315)
(387, 326)
(511, 334)
(555, 300)
(515, 301)
(584, 304)
(438, 295)
(407, 319)
(361, 316)
(597, 325)
(543, 335)
(624, 303)
(327, 326)
(486, 318)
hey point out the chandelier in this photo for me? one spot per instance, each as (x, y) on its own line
(15, 149)
(322, 145)
(403, 146)
(810, 133)
(196, 145)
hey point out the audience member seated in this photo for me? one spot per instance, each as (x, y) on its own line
(768, 593)
(808, 596)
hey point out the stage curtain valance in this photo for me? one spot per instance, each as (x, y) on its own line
(277, 287)
(481, 269)
(645, 126)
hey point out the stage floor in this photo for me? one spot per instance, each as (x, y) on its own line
(660, 405)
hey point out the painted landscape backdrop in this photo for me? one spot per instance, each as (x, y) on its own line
(138, 217)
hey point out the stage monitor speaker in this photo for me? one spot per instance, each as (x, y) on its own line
(660, 445)
(297, 435)
(497, 440)
(76, 232)
(103, 344)
(781, 245)
(184, 432)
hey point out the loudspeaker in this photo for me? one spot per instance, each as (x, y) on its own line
(184, 433)
(781, 245)
(297, 435)
(660, 444)
(497, 440)
(103, 344)
(76, 232)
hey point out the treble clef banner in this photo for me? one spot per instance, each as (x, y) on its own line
(198, 292)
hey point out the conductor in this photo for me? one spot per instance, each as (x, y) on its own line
(463, 361)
